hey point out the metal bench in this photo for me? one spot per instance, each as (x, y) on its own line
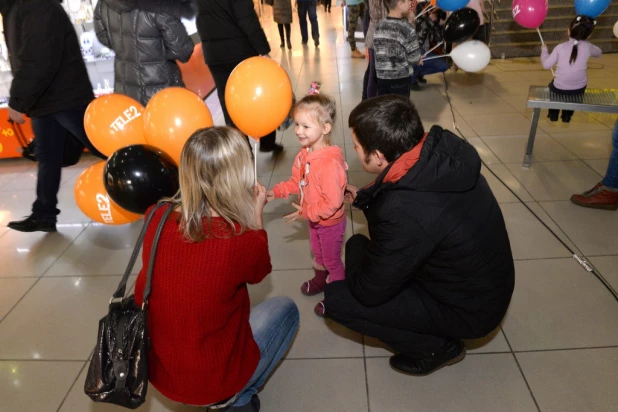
(539, 97)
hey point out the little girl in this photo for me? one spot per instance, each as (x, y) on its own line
(571, 58)
(319, 179)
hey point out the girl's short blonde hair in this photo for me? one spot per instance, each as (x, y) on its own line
(216, 175)
(321, 108)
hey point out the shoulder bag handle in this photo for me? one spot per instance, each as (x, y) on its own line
(120, 291)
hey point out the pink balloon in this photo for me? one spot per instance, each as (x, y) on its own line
(530, 13)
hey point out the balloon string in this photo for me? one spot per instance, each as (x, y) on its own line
(255, 153)
(428, 9)
(436, 57)
(543, 43)
(432, 49)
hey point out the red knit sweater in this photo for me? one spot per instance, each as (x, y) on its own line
(202, 345)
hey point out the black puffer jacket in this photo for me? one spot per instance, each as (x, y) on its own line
(49, 74)
(230, 31)
(437, 224)
(147, 37)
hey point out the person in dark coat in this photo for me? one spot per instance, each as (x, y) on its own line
(438, 267)
(51, 86)
(282, 14)
(147, 37)
(231, 32)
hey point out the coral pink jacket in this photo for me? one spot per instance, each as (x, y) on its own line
(319, 179)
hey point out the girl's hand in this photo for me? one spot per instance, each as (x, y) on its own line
(350, 193)
(270, 196)
(259, 193)
(293, 217)
(543, 46)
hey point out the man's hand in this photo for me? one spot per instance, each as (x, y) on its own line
(350, 193)
(16, 116)
(292, 217)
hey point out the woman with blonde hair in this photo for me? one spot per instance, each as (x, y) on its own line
(208, 346)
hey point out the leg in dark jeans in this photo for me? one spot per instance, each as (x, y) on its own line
(51, 132)
(50, 138)
(220, 74)
(566, 114)
(372, 82)
(303, 10)
(288, 33)
(281, 35)
(611, 176)
(313, 18)
(430, 67)
(401, 87)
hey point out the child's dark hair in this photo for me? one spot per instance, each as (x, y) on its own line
(580, 29)
(387, 123)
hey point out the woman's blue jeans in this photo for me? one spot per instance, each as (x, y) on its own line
(274, 323)
(611, 177)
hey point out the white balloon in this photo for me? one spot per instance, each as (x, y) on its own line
(616, 29)
(471, 56)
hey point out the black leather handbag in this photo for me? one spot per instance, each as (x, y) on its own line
(118, 372)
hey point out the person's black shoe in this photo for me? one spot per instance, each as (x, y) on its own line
(453, 352)
(552, 117)
(421, 79)
(275, 149)
(565, 119)
(317, 42)
(415, 87)
(282, 45)
(32, 224)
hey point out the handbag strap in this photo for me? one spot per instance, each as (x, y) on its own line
(153, 252)
(119, 293)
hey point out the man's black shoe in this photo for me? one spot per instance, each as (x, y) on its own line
(421, 79)
(415, 87)
(453, 352)
(32, 224)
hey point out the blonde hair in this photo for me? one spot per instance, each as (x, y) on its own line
(321, 108)
(216, 175)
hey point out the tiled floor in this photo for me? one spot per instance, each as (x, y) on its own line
(556, 351)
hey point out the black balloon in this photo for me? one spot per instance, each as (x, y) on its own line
(137, 177)
(461, 25)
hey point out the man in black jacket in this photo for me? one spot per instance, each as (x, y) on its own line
(50, 85)
(231, 32)
(438, 267)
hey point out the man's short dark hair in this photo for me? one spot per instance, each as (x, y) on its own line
(388, 123)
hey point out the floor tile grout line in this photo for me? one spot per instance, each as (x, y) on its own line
(42, 275)
(523, 375)
(516, 352)
(71, 387)
(520, 369)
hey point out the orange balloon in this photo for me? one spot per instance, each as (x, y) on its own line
(195, 74)
(433, 2)
(258, 96)
(171, 117)
(94, 202)
(114, 121)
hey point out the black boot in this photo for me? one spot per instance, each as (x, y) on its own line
(454, 351)
(32, 224)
